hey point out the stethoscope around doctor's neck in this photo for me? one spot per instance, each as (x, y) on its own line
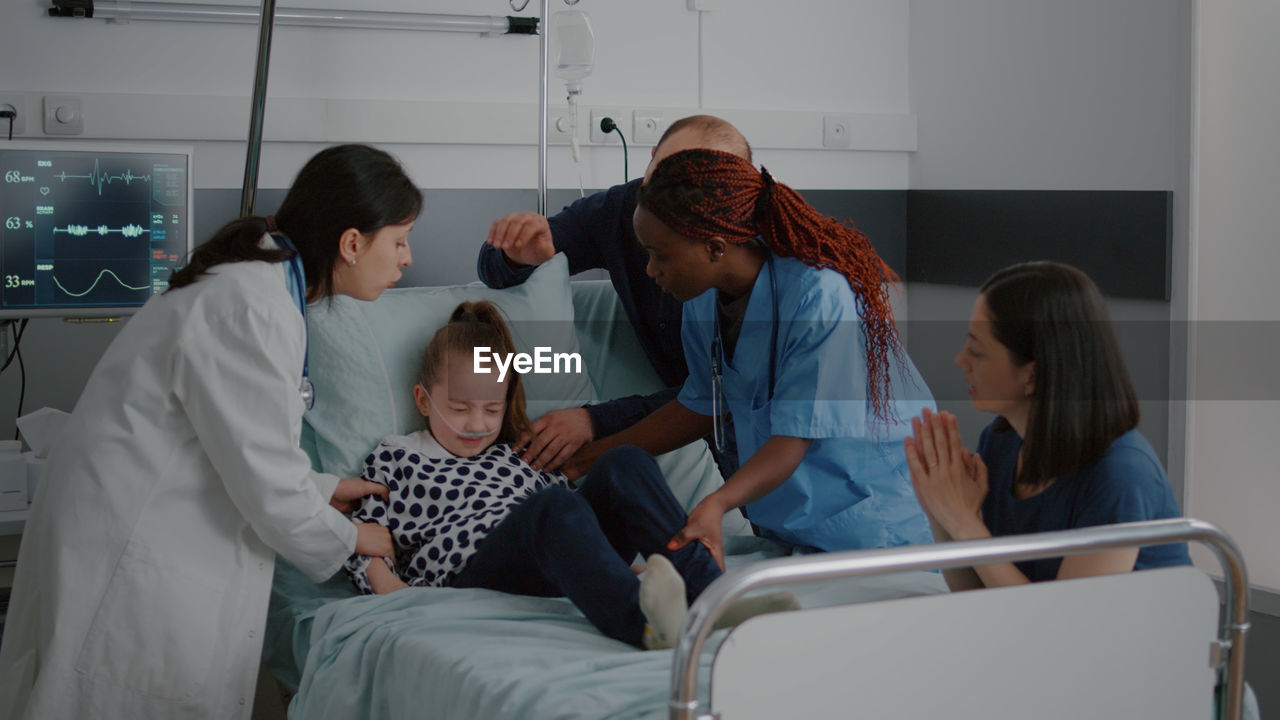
(717, 356)
(296, 280)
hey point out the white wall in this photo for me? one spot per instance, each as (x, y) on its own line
(1232, 448)
(810, 55)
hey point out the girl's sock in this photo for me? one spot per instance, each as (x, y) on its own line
(662, 602)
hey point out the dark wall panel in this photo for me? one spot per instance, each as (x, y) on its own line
(1120, 238)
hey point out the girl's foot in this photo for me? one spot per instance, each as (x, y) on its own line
(662, 602)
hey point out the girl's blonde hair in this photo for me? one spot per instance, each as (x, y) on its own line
(472, 325)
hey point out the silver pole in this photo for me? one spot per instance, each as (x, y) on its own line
(258, 109)
(543, 31)
(683, 703)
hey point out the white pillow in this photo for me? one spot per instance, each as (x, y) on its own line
(365, 358)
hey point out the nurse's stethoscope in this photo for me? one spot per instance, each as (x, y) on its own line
(297, 282)
(717, 361)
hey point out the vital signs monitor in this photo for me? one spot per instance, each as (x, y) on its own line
(90, 230)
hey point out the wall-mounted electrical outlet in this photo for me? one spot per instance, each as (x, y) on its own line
(17, 103)
(649, 127)
(837, 131)
(63, 115)
(620, 117)
(560, 125)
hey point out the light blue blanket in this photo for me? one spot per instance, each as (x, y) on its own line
(467, 654)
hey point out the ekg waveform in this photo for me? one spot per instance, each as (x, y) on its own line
(95, 284)
(98, 178)
(129, 231)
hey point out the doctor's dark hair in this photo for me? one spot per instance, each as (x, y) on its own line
(1053, 315)
(473, 325)
(342, 187)
(702, 194)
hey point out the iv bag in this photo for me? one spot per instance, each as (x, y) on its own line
(575, 46)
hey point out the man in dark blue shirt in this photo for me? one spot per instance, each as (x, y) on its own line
(596, 232)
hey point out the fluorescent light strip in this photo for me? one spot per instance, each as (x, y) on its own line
(245, 14)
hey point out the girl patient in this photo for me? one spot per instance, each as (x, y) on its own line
(465, 511)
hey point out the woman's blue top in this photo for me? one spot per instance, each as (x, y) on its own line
(1128, 484)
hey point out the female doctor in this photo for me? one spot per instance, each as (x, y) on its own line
(146, 564)
(787, 327)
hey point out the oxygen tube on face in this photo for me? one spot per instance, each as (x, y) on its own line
(468, 434)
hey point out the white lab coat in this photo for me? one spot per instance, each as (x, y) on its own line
(146, 564)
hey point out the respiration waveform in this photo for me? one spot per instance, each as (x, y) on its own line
(95, 284)
(99, 178)
(129, 231)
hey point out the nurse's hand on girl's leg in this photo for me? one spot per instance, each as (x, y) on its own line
(351, 491)
(704, 526)
(374, 540)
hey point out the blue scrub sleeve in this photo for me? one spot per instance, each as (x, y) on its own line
(821, 372)
(695, 335)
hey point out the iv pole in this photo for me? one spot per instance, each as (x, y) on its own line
(266, 23)
(542, 108)
(258, 109)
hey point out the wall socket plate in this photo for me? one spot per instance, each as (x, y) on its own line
(559, 123)
(648, 125)
(837, 131)
(63, 115)
(18, 102)
(620, 116)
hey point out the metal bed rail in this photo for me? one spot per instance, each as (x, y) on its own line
(683, 703)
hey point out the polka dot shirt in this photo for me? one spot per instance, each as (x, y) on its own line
(441, 506)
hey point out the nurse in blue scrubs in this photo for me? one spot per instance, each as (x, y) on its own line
(788, 328)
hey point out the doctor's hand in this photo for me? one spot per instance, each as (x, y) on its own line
(556, 436)
(950, 482)
(351, 491)
(704, 526)
(374, 540)
(525, 237)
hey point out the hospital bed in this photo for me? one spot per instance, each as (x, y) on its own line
(469, 653)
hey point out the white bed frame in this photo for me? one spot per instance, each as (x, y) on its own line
(1138, 645)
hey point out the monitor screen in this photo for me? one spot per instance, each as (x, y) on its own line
(90, 230)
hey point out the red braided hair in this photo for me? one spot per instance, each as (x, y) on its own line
(702, 194)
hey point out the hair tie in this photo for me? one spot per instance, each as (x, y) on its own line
(271, 224)
(468, 316)
(764, 201)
